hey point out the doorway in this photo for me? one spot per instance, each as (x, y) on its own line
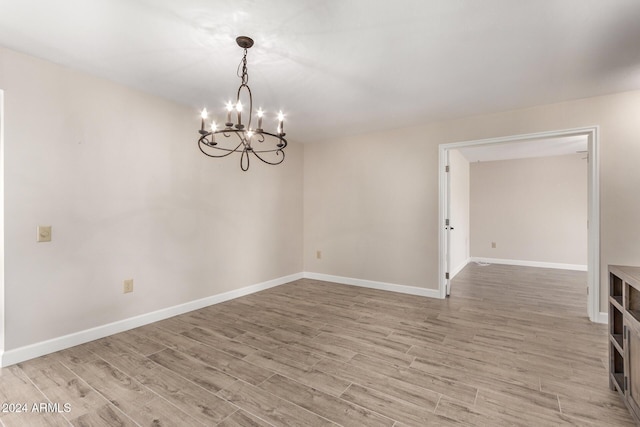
(593, 256)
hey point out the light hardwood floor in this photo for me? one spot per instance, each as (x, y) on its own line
(512, 346)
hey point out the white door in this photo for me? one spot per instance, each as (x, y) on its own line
(447, 226)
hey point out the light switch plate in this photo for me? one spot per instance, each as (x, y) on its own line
(44, 233)
(127, 286)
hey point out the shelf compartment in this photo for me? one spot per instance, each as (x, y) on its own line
(633, 301)
(615, 286)
(619, 381)
(619, 340)
(617, 366)
(616, 325)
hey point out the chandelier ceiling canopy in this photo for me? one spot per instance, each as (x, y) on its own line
(237, 136)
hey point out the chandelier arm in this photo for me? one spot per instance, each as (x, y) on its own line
(217, 157)
(274, 150)
(268, 162)
(282, 140)
(242, 143)
(235, 150)
(203, 140)
(212, 155)
(279, 136)
(244, 158)
(230, 151)
(226, 132)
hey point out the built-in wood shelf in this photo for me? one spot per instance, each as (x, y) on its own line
(618, 340)
(635, 314)
(624, 335)
(618, 378)
(617, 301)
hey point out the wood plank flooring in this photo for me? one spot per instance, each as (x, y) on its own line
(511, 347)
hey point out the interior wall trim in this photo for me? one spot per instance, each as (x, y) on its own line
(383, 286)
(31, 351)
(522, 263)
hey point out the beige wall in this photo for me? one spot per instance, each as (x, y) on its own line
(533, 209)
(118, 175)
(365, 204)
(459, 209)
(371, 201)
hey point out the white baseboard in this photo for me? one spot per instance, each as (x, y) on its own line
(602, 317)
(31, 351)
(576, 267)
(403, 289)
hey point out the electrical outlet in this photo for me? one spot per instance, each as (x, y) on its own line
(128, 286)
(493, 245)
(318, 254)
(44, 233)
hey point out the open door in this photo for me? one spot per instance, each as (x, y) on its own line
(447, 227)
(2, 274)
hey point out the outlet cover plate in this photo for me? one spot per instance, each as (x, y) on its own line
(44, 233)
(127, 286)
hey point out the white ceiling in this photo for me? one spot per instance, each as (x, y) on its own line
(525, 149)
(341, 67)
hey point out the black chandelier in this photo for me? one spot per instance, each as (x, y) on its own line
(267, 147)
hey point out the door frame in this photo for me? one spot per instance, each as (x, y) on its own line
(593, 209)
(2, 242)
(445, 250)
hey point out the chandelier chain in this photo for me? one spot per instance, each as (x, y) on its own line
(244, 74)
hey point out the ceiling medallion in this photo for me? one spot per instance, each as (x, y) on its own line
(267, 147)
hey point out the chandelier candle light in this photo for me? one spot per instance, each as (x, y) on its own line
(267, 147)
